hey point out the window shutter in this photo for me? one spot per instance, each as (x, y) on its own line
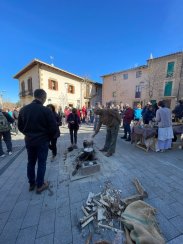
(170, 68)
(49, 84)
(168, 88)
(23, 86)
(56, 85)
(30, 84)
(73, 89)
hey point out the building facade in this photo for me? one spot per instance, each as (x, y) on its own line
(126, 86)
(63, 88)
(160, 79)
(165, 79)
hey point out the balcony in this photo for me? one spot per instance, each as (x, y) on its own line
(170, 75)
(87, 96)
(22, 94)
(29, 93)
(25, 93)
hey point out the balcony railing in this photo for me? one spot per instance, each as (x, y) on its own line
(170, 75)
(26, 93)
(87, 96)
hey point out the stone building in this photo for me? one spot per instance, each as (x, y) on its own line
(127, 86)
(63, 88)
(165, 79)
(160, 79)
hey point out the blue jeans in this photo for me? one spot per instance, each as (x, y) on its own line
(127, 130)
(7, 139)
(37, 153)
(73, 135)
(91, 119)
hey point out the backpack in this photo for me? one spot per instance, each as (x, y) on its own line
(4, 125)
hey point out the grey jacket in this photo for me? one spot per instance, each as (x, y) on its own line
(164, 117)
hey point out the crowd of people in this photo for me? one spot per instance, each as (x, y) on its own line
(40, 125)
(157, 114)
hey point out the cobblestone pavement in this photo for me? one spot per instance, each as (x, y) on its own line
(51, 217)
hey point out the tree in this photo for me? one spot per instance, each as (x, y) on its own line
(153, 83)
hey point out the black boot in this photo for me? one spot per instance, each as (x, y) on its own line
(124, 137)
(128, 139)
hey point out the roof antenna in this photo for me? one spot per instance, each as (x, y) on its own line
(52, 58)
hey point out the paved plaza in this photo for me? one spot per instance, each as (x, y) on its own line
(52, 217)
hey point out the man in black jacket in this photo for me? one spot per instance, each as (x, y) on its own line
(38, 125)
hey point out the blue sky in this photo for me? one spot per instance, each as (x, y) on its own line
(86, 37)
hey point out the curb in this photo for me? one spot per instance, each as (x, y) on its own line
(2, 170)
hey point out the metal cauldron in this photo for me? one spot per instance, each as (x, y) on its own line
(88, 143)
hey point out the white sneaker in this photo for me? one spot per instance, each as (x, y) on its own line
(9, 153)
(2, 156)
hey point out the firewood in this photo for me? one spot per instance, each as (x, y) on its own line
(87, 222)
(140, 188)
(132, 198)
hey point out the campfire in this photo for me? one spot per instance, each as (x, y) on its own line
(86, 162)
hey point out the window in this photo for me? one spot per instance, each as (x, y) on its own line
(23, 86)
(114, 94)
(125, 76)
(138, 73)
(168, 88)
(29, 84)
(71, 89)
(87, 90)
(138, 91)
(170, 69)
(53, 85)
(22, 93)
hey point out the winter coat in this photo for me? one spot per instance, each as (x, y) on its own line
(15, 114)
(37, 123)
(58, 123)
(178, 111)
(108, 117)
(128, 116)
(148, 116)
(73, 121)
(9, 119)
(137, 113)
